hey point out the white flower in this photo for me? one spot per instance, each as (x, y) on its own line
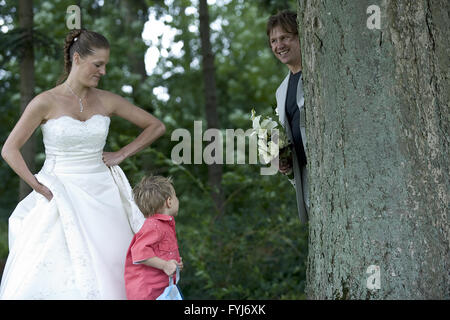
(279, 136)
(262, 145)
(267, 150)
(274, 149)
(262, 134)
(256, 124)
(270, 138)
(268, 124)
(264, 156)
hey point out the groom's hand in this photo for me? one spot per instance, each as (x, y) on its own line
(285, 165)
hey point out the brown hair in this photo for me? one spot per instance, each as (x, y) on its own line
(151, 193)
(82, 41)
(286, 19)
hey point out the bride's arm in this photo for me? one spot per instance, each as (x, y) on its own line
(31, 118)
(152, 128)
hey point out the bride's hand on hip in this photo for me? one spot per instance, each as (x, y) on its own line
(112, 158)
(44, 191)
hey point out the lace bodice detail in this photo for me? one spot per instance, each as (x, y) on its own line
(68, 136)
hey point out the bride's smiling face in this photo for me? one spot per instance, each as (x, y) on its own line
(91, 67)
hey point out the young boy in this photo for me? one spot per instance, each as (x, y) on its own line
(153, 253)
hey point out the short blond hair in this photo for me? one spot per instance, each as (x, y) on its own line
(151, 193)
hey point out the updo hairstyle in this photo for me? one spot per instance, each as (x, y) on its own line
(82, 41)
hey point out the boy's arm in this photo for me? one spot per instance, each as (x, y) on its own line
(169, 267)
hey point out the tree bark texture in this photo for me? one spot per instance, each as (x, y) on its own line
(377, 129)
(27, 85)
(212, 118)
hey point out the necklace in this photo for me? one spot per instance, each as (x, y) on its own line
(79, 99)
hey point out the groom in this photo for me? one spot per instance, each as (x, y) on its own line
(285, 44)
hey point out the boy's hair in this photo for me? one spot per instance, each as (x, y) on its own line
(286, 19)
(151, 193)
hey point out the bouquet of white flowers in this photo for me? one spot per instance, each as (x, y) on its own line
(272, 139)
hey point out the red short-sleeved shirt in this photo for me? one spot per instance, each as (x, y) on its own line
(156, 238)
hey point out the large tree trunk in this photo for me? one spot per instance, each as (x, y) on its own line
(27, 85)
(212, 118)
(377, 129)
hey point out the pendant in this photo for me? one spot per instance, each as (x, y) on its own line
(81, 105)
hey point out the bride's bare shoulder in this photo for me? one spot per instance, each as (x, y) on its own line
(104, 94)
(45, 102)
(42, 101)
(107, 98)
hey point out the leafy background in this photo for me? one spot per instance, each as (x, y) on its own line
(257, 249)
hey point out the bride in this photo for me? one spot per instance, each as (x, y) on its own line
(69, 237)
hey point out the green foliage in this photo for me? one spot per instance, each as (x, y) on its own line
(257, 249)
(3, 240)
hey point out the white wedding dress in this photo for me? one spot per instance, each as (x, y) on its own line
(74, 246)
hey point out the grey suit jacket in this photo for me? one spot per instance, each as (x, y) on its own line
(300, 174)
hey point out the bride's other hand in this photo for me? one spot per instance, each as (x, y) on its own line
(112, 158)
(44, 191)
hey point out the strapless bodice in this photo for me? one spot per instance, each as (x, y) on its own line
(68, 136)
(75, 145)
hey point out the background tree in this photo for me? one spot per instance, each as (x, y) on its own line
(26, 82)
(377, 125)
(212, 118)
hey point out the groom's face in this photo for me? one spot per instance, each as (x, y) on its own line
(285, 46)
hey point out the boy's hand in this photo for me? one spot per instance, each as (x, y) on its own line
(170, 267)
